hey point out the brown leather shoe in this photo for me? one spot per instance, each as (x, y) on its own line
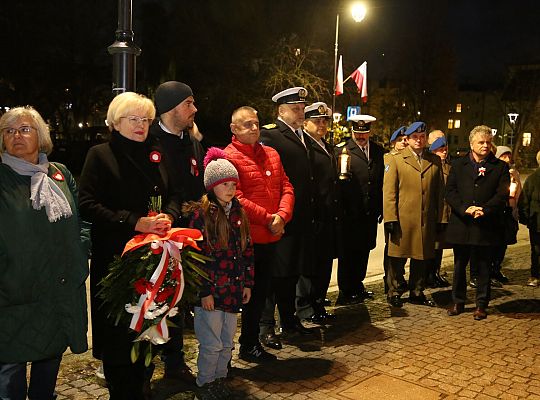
(456, 309)
(479, 314)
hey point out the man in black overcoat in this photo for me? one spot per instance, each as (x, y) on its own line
(286, 137)
(477, 191)
(327, 207)
(362, 209)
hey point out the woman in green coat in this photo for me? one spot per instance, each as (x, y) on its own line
(43, 261)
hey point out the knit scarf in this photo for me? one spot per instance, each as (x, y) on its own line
(43, 190)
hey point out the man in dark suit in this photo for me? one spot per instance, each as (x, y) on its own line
(326, 210)
(477, 191)
(362, 208)
(286, 137)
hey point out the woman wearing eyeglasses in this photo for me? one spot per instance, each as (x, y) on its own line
(118, 180)
(43, 261)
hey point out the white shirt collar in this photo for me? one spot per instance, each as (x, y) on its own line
(162, 126)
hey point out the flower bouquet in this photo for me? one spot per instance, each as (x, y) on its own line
(145, 284)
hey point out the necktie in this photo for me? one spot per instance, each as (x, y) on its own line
(364, 149)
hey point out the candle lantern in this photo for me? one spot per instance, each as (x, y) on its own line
(344, 161)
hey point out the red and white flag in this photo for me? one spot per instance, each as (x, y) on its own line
(339, 79)
(360, 78)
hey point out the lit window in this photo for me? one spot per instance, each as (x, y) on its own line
(457, 123)
(526, 139)
(458, 107)
(450, 124)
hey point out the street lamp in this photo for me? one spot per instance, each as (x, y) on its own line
(512, 117)
(358, 12)
(124, 51)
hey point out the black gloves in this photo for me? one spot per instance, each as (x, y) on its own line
(391, 227)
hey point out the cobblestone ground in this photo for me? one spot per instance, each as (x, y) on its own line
(372, 351)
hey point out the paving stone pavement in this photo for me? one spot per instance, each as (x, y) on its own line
(372, 351)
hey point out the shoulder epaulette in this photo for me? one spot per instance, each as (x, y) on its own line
(341, 144)
(269, 126)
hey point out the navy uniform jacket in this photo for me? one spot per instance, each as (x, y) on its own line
(295, 159)
(362, 194)
(327, 209)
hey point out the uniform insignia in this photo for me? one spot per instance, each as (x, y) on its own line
(302, 93)
(322, 110)
(270, 126)
(341, 144)
(386, 167)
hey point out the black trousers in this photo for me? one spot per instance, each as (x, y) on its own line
(251, 312)
(417, 276)
(125, 381)
(282, 292)
(352, 269)
(534, 238)
(480, 257)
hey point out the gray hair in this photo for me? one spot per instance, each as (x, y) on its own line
(480, 130)
(15, 114)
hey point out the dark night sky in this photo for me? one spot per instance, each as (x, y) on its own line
(486, 35)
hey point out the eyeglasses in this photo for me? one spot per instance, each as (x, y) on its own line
(25, 130)
(135, 120)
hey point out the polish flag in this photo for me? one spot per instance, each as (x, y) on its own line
(360, 78)
(339, 80)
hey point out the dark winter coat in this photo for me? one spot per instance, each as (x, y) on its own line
(293, 248)
(43, 269)
(232, 268)
(116, 184)
(467, 187)
(362, 195)
(529, 202)
(184, 159)
(327, 205)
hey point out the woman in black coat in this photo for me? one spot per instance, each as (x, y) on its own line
(477, 192)
(117, 182)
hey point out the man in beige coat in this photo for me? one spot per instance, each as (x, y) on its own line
(413, 193)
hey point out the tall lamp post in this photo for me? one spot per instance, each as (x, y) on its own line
(124, 51)
(358, 12)
(512, 117)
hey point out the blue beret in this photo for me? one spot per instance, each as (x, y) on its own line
(417, 126)
(398, 132)
(438, 143)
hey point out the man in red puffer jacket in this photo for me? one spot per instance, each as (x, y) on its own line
(268, 199)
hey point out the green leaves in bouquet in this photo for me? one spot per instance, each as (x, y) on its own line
(118, 287)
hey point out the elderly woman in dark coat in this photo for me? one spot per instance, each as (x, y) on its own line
(43, 260)
(117, 183)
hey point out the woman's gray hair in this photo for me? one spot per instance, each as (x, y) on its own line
(15, 114)
(480, 130)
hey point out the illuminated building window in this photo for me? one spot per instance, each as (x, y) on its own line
(450, 124)
(457, 123)
(526, 139)
(458, 108)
